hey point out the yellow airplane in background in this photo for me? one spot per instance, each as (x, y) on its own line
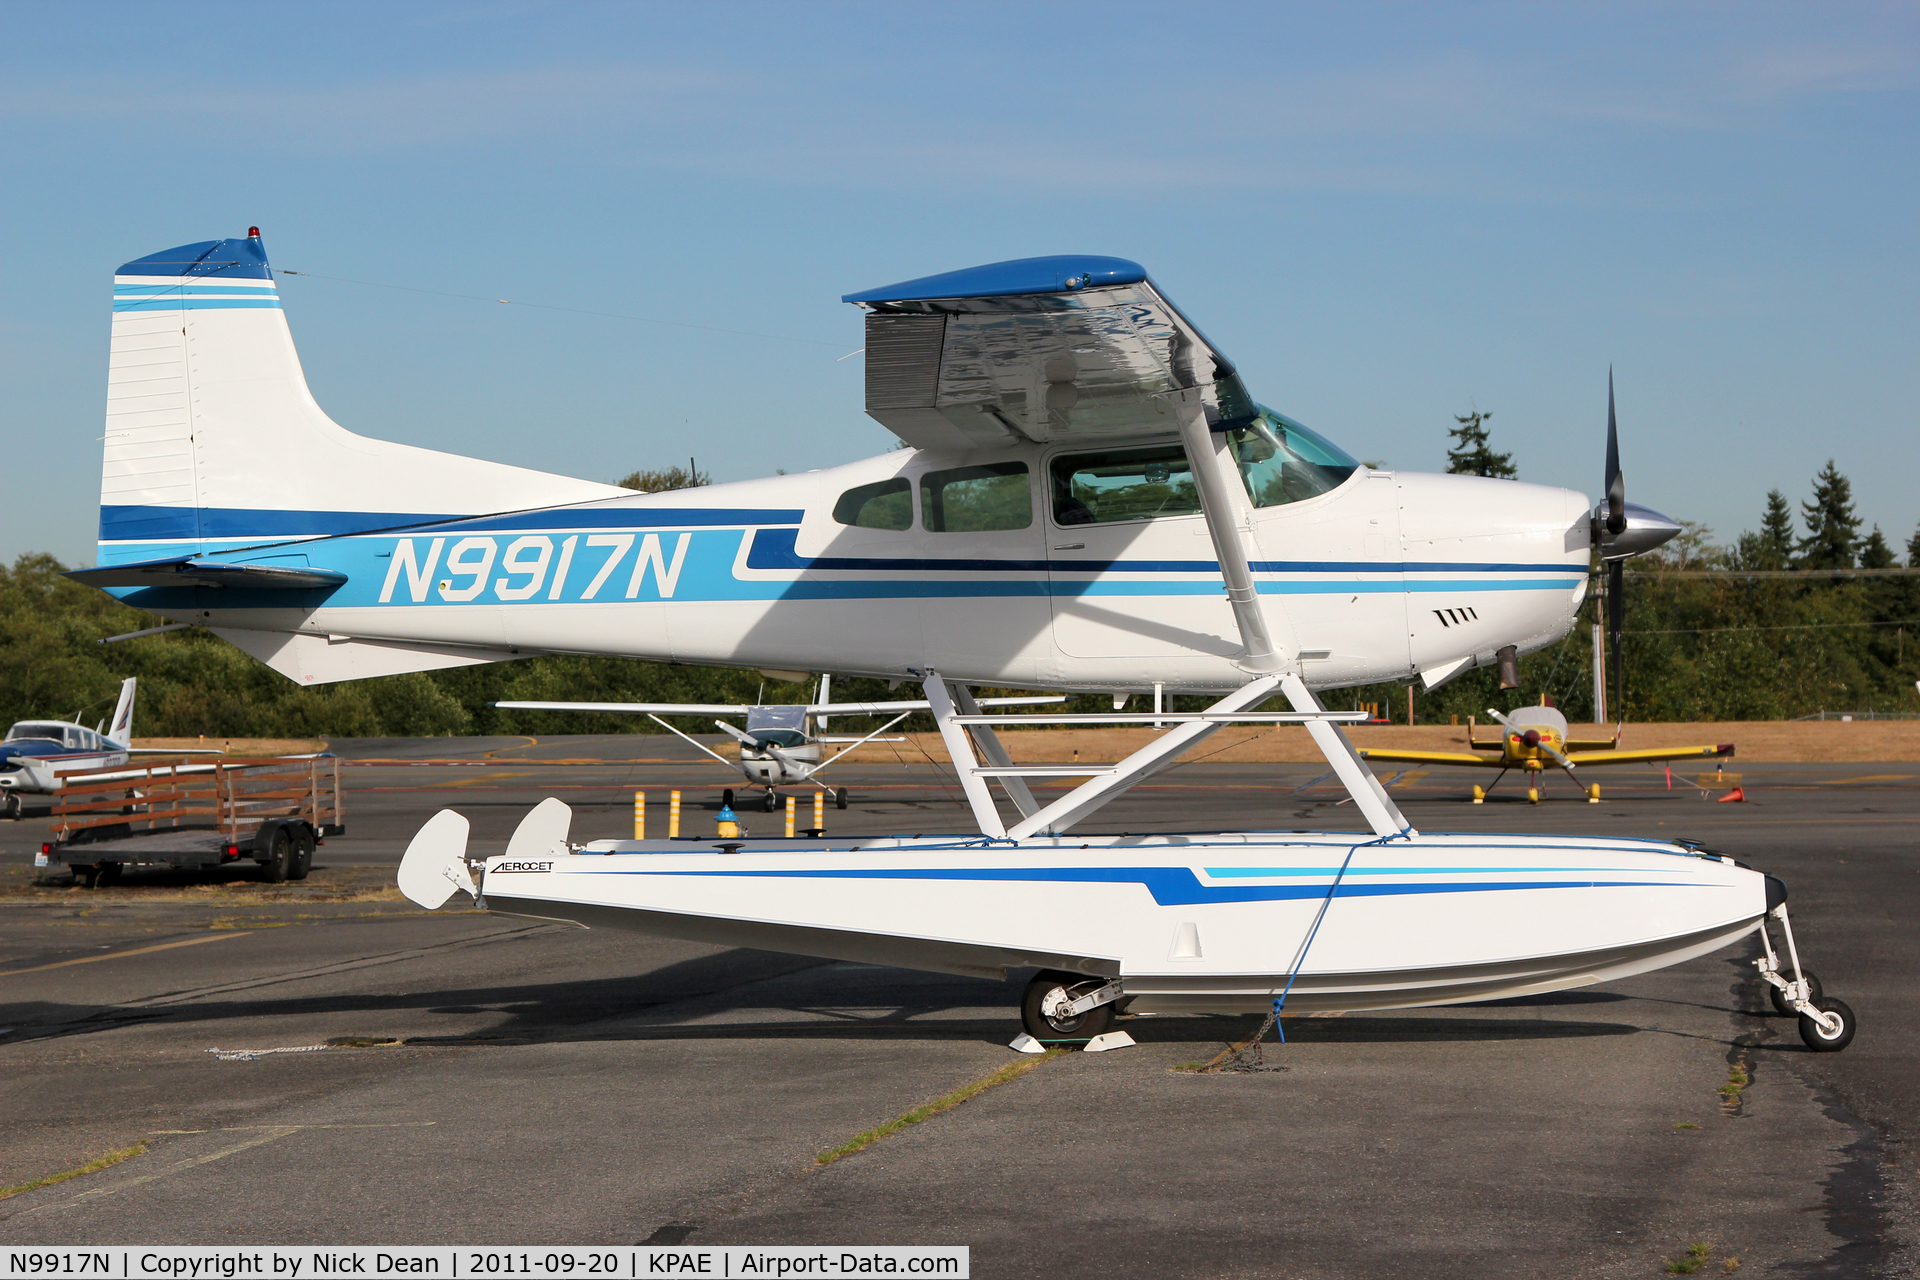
(1535, 739)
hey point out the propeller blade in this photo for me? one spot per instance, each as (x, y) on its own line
(1547, 747)
(1616, 481)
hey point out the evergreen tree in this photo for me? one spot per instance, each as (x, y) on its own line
(1833, 530)
(1776, 533)
(1875, 553)
(1913, 550)
(1471, 455)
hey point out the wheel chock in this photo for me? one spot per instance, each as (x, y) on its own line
(1024, 1043)
(1736, 796)
(1109, 1040)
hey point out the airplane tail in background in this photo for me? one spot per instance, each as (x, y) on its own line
(213, 440)
(120, 728)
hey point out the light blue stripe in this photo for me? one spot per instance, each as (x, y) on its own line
(191, 303)
(1230, 873)
(251, 291)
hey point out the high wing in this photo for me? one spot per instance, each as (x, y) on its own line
(1588, 759)
(723, 709)
(1432, 757)
(888, 708)
(636, 708)
(1037, 349)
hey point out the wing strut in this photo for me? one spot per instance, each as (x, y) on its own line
(1218, 505)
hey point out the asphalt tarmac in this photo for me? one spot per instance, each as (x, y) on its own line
(489, 1080)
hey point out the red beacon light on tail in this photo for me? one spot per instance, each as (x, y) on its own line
(253, 233)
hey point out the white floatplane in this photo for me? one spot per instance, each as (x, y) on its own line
(1091, 501)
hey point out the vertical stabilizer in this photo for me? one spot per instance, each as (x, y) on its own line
(120, 728)
(214, 441)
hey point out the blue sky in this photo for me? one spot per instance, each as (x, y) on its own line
(1385, 213)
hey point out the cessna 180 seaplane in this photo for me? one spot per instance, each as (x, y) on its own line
(779, 746)
(1091, 501)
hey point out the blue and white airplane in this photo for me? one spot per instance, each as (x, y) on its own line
(38, 755)
(1090, 500)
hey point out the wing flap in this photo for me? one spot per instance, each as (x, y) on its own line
(1039, 349)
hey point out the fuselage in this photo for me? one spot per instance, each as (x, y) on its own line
(1385, 576)
(36, 754)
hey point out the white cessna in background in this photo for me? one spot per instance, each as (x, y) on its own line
(780, 745)
(1091, 501)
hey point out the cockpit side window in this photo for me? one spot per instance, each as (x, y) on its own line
(995, 495)
(887, 504)
(1123, 484)
(1281, 461)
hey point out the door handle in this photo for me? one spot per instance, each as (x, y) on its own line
(1069, 546)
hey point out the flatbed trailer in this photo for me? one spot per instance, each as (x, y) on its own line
(188, 814)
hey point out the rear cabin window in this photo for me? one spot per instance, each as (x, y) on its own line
(886, 505)
(1123, 484)
(995, 495)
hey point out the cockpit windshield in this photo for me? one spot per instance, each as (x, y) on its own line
(1281, 461)
(779, 738)
(778, 726)
(54, 733)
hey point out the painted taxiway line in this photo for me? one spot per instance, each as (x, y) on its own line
(118, 955)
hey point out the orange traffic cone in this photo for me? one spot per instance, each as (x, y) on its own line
(1736, 796)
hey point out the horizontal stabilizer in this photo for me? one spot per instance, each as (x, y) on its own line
(188, 571)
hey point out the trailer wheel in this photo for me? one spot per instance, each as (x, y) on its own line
(87, 876)
(303, 847)
(109, 874)
(278, 862)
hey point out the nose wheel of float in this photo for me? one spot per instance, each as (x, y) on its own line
(1055, 1007)
(1826, 1025)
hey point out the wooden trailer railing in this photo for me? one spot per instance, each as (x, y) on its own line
(231, 797)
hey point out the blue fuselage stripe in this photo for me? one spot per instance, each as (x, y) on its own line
(1176, 886)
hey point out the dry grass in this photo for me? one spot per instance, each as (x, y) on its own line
(94, 1165)
(234, 887)
(973, 1089)
(237, 746)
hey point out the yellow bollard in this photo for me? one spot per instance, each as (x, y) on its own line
(639, 815)
(820, 813)
(791, 802)
(673, 815)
